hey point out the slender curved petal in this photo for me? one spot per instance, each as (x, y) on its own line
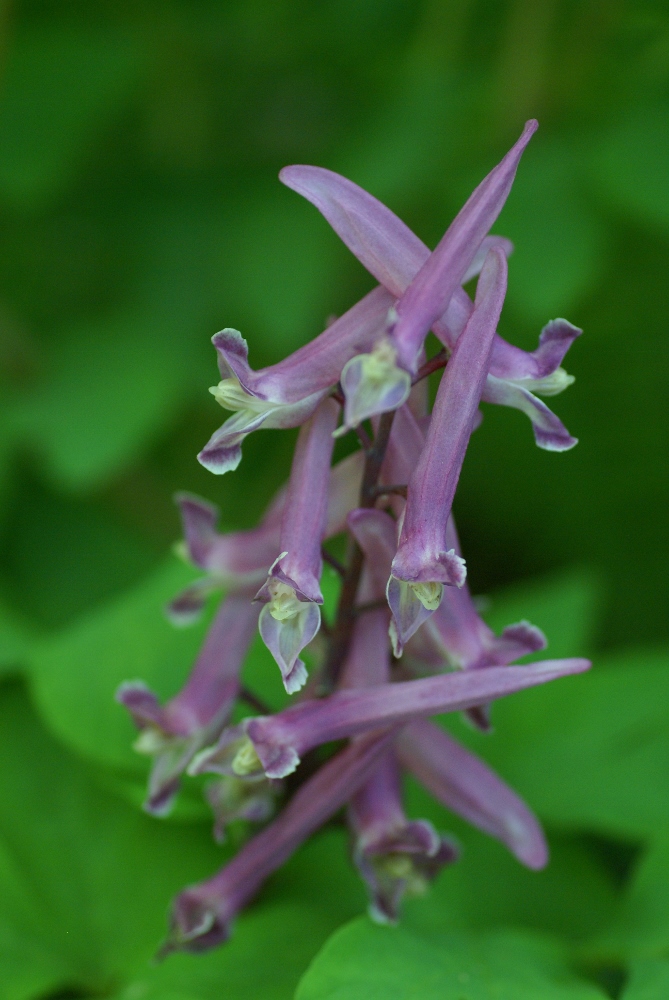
(275, 744)
(394, 255)
(466, 785)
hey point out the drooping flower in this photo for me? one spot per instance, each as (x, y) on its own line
(394, 855)
(465, 784)
(275, 744)
(291, 616)
(423, 564)
(202, 914)
(394, 255)
(175, 732)
(240, 560)
(286, 394)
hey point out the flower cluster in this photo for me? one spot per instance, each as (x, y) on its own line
(406, 641)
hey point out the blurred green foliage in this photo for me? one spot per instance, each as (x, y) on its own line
(139, 213)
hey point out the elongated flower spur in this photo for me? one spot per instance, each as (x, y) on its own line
(405, 641)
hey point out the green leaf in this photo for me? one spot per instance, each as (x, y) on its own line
(640, 928)
(15, 640)
(565, 606)
(85, 879)
(558, 239)
(591, 751)
(274, 941)
(111, 388)
(631, 164)
(85, 882)
(61, 88)
(380, 963)
(488, 888)
(649, 980)
(76, 673)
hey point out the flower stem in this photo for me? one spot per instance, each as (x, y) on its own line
(346, 609)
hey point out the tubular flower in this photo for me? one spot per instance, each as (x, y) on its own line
(174, 733)
(423, 564)
(202, 914)
(240, 560)
(403, 576)
(286, 394)
(394, 255)
(291, 616)
(394, 855)
(275, 744)
(233, 798)
(463, 640)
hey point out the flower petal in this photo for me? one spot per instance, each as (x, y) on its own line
(467, 786)
(549, 432)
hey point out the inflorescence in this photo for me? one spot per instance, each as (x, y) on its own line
(406, 642)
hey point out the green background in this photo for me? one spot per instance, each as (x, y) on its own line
(140, 212)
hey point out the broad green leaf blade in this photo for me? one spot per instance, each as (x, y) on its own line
(640, 928)
(76, 673)
(631, 162)
(558, 238)
(591, 751)
(649, 980)
(15, 641)
(111, 388)
(87, 878)
(61, 88)
(85, 882)
(488, 888)
(380, 963)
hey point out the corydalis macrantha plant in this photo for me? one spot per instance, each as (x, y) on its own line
(405, 641)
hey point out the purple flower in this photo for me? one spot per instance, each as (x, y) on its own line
(423, 564)
(291, 616)
(394, 856)
(394, 255)
(240, 560)
(381, 380)
(175, 732)
(275, 744)
(286, 394)
(202, 914)
(467, 786)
